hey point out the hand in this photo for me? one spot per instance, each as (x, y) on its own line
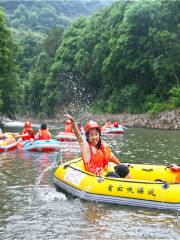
(174, 167)
(69, 117)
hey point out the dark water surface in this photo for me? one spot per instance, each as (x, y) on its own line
(30, 207)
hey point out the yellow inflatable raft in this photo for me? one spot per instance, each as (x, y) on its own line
(150, 186)
(8, 143)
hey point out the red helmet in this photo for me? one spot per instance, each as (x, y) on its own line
(27, 124)
(91, 124)
(116, 124)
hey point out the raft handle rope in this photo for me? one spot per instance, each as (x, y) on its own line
(66, 166)
(160, 180)
(165, 184)
(171, 165)
(147, 170)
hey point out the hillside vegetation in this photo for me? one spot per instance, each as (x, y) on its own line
(124, 58)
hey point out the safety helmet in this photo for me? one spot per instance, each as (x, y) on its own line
(27, 124)
(116, 124)
(91, 124)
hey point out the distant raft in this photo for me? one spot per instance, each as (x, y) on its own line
(114, 130)
(39, 145)
(8, 143)
(66, 137)
(151, 186)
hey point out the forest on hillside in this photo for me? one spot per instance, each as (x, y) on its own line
(118, 57)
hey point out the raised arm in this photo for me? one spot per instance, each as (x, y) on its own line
(114, 159)
(75, 128)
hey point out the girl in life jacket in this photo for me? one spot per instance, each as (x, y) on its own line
(96, 154)
(43, 133)
(2, 135)
(68, 127)
(28, 132)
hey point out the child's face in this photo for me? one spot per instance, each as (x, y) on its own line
(94, 137)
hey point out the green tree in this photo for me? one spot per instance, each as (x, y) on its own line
(36, 88)
(9, 81)
(64, 77)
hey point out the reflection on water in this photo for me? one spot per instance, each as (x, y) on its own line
(31, 208)
(115, 222)
(149, 146)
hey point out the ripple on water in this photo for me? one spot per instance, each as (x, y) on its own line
(45, 194)
(32, 209)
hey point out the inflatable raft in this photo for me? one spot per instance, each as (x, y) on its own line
(150, 186)
(114, 130)
(39, 145)
(8, 143)
(66, 137)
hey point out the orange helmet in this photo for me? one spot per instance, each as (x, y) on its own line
(91, 124)
(27, 124)
(116, 124)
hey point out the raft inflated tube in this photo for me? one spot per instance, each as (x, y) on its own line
(151, 186)
(66, 137)
(39, 145)
(8, 144)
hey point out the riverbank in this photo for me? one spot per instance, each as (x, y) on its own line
(165, 120)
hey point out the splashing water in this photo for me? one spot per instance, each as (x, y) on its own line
(38, 180)
(57, 159)
(80, 99)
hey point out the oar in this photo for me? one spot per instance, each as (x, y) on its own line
(12, 133)
(17, 135)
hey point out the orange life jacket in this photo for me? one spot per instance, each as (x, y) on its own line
(178, 178)
(68, 128)
(99, 159)
(176, 169)
(30, 133)
(44, 134)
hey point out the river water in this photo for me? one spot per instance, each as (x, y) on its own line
(31, 208)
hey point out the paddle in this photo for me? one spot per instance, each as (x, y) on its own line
(18, 135)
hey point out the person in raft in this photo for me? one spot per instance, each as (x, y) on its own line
(175, 168)
(96, 153)
(2, 135)
(43, 133)
(116, 124)
(28, 132)
(68, 127)
(108, 124)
